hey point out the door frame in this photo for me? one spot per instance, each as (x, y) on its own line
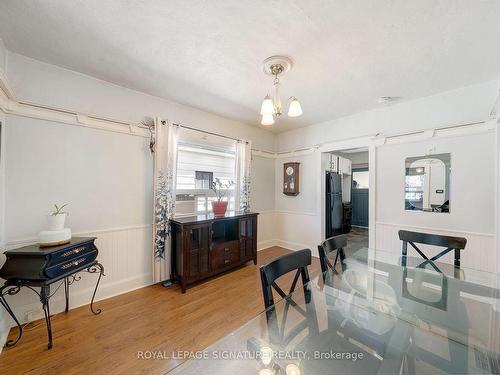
(362, 142)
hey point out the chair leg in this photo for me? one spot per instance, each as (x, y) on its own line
(404, 253)
(457, 258)
(342, 254)
(457, 264)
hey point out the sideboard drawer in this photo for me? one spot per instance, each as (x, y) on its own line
(70, 265)
(225, 254)
(66, 255)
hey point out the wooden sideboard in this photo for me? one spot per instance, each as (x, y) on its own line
(205, 245)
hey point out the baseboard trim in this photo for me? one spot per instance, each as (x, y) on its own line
(298, 246)
(266, 244)
(298, 213)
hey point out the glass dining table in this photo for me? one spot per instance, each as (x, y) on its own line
(372, 315)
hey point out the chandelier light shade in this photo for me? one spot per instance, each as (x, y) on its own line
(271, 109)
(267, 119)
(267, 106)
(295, 110)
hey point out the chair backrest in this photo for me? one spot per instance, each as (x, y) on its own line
(328, 246)
(448, 242)
(298, 260)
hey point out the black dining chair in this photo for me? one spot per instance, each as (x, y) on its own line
(276, 322)
(296, 261)
(333, 244)
(449, 243)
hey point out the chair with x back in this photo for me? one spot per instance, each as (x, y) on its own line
(298, 260)
(439, 295)
(269, 273)
(449, 243)
(326, 252)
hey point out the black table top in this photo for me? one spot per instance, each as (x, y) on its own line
(210, 217)
(36, 249)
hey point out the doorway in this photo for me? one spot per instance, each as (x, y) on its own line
(351, 168)
(360, 197)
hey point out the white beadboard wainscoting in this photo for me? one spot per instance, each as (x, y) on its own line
(480, 252)
(125, 254)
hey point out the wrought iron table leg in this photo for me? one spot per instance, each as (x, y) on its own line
(94, 269)
(66, 293)
(44, 299)
(10, 290)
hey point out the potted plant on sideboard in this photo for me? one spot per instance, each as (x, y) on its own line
(220, 189)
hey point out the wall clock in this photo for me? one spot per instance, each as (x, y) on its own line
(291, 182)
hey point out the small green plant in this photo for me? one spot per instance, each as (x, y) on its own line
(221, 189)
(58, 210)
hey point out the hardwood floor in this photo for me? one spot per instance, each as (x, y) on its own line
(151, 318)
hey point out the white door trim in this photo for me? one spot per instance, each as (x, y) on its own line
(369, 142)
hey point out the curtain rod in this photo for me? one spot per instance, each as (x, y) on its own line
(144, 126)
(210, 133)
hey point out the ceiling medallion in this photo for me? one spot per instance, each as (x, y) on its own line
(277, 66)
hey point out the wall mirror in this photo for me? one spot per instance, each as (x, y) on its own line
(427, 183)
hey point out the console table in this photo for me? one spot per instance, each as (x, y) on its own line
(206, 245)
(34, 267)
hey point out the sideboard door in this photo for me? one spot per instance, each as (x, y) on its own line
(248, 237)
(197, 249)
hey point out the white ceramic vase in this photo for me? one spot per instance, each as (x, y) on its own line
(56, 222)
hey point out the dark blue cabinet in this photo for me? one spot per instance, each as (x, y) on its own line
(360, 207)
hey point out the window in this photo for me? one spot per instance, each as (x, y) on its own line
(197, 167)
(360, 179)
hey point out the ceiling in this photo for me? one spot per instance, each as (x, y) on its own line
(208, 54)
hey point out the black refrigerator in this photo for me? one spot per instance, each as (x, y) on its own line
(334, 211)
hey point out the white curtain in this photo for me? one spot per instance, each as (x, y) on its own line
(165, 171)
(243, 159)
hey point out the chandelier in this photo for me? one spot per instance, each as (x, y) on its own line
(277, 66)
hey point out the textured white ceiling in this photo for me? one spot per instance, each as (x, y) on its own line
(208, 54)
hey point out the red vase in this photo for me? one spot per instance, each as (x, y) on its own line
(219, 208)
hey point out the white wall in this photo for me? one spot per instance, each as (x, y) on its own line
(104, 176)
(296, 216)
(4, 321)
(262, 199)
(468, 104)
(472, 196)
(3, 57)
